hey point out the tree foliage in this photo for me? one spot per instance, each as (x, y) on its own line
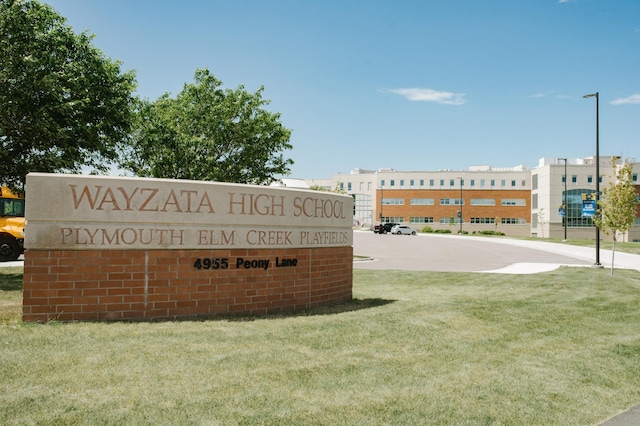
(207, 133)
(617, 208)
(63, 104)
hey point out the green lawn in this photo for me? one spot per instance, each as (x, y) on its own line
(413, 348)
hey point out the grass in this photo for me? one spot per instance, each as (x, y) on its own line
(438, 348)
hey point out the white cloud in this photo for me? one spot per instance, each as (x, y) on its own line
(540, 95)
(633, 99)
(430, 95)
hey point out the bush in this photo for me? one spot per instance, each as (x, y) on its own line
(442, 231)
(427, 229)
(491, 233)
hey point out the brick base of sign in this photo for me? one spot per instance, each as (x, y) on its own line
(137, 285)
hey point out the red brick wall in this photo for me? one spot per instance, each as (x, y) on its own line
(437, 211)
(164, 284)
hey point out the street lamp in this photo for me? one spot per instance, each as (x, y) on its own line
(381, 201)
(461, 202)
(564, 218)
(596, 95)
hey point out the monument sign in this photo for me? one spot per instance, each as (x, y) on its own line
(113, 248)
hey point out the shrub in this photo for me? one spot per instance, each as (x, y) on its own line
(491, 233)
(427, 229)
(442, 231)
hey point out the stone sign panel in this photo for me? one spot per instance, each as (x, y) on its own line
(201, 226)
(91, 212)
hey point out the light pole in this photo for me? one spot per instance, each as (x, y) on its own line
(596, 95)
(564, 218)
(381, 201)
(461, 202)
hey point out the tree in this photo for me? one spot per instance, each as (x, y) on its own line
(63, 105)
(542, 220)
(617, 208)
(207, 133)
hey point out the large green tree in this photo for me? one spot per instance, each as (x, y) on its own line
(209, 133)
(617, 208)
(63, 104)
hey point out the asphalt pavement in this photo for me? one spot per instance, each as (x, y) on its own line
(453, 253)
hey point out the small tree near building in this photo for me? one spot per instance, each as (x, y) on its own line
(617, 208)
(542, 220)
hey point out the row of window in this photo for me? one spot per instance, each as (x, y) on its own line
(574, 179)
(454, 202)
(482, 182)
(456, 183)
(473, 220)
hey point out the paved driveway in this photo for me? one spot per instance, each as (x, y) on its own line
(453, 253)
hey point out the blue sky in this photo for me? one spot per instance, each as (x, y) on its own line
(412, 85)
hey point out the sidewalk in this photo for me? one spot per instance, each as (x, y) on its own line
(620, 260)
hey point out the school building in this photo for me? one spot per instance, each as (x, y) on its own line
(518, 201)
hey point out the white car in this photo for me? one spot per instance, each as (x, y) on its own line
(403, 230)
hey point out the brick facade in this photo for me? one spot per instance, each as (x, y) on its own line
(438, 211)
(112, 285)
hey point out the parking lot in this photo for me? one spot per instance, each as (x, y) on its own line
(453, 253)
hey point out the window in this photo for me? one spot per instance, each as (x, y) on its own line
(574, 179)
(420, 220)
(590, 180)
(382, 182)
(534, 181)
(573, 209)
(393, 219)
(411, 183)
(524, 183)
(473, 183)
(431, 183)
(461, 182)
(564, 178)
(634, 177)
(13, 207)
(349, 186)
(513, 183)
(393, 182)
(513, 202)
(341, 186)
(441, 183)
(451, 201)
(534, 201)
(369, 186)
(392, 201)
(483, 202)
(421, 183)
(493, 183)
(483, 220)
(482, 183)
(452, 182)
(503, 183)
(449, 220)
(421, 202)
(513, 221)
(401, 183)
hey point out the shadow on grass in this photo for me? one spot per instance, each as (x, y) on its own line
(349, 306)
(11, 281)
